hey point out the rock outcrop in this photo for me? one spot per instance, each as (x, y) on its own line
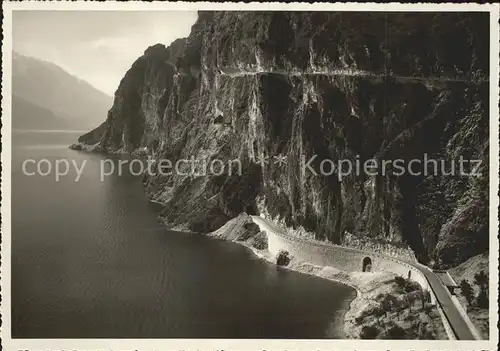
(342, 86)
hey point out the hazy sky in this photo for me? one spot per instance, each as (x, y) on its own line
(97, 46)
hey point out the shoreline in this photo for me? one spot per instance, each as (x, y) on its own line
(366, 285)
(348, 314)
(360, 313)
(354, 306)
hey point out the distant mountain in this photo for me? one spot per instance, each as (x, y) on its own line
(27, 115)
(47, 97)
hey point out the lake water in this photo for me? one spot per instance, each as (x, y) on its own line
(90, 260)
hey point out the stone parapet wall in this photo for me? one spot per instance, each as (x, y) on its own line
(347, 259)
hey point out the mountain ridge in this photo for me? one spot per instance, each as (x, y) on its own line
(45, 84)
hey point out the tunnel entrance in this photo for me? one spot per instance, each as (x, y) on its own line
(367, 264)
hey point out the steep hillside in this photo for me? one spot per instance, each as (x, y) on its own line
(341, 86)
(75, 102)
(471, 267)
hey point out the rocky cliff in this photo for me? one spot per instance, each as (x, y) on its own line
(341, 86)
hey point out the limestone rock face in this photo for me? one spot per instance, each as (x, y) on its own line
(342, 86)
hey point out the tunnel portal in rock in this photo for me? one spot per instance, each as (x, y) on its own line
(367, 264)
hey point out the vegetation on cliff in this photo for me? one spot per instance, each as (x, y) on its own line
(472, 276)
(248, 85)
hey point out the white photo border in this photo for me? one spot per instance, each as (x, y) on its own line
(243, 344)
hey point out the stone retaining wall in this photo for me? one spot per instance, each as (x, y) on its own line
(350, 260)
(347, 259)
